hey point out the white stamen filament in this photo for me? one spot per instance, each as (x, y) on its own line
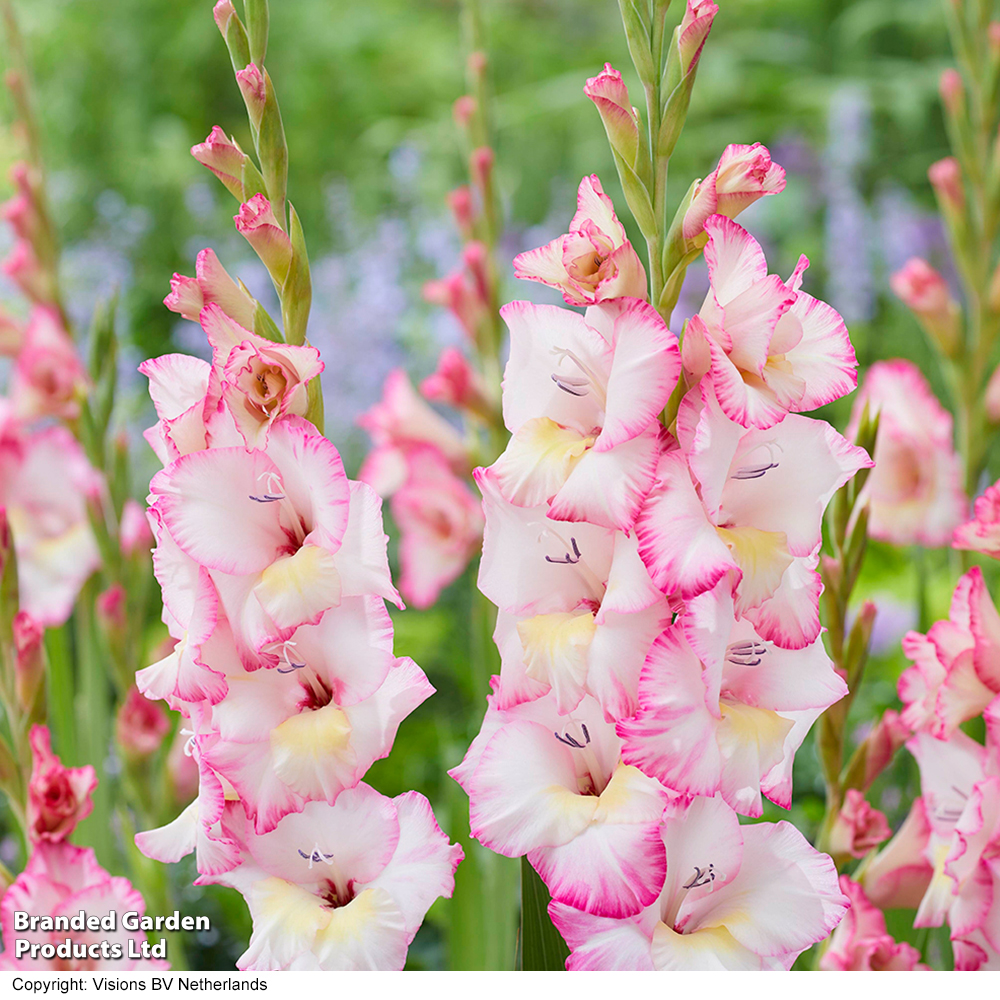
(596, 384)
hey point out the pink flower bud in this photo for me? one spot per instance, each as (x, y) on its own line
(11, 335)
(457, 294)
(993, 38)
(858, 828)
(29, 662)
(923, 289)
(58, 796)
(134, 533)
(992, 397)
(23, 268)
(461, 205)
(456, 383)
(476, 258)
(257, 222)
(481, 167)
(211, 285)
(477, 63)
(224, 158)
(140, 725)
(223, 12)
(463, 109)
(952, 91)
(110, 607)
(693, 31)
(610, 95)
(882, 743)
(744, 175)
(254, 90)
(946, 177)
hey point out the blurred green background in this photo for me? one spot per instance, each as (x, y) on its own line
(844, 92)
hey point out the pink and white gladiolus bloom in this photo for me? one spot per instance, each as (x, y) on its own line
(210, 285)
(594, 261)
(915, 490)
(747, 504)
(257, 222)
(440, 523)
(733, 898)
(744, 174)
(768, 347)
(723, 711)
(59, 797)
(578, 611)
(223, 156)
(342, 887)
(982, 533)
(582, 397)
(61, 880)
(399, 423)
(956, 665)
(56, 549)
(552, 786)
(48, 380)
(960, 783)
(859, 828)
(861, 942)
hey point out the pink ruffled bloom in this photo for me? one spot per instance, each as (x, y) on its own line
(915, 490)
(441, 523)
(956, 666)
(859, 828)
(49, 379)
(862, 944)
(745, 174)
(734, 897)
(982, 533)
(342, 887)
(56, 550)
(140, 725)
(223, 156)
(257, 222)
(594, 261)
(768, 347)
(210, 285)
(400, 423)
(582, 396)
(60, 880)
(610, 95)
(58, 796)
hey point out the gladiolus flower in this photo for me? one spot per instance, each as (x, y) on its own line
(862, 944)
(952, 91)
(594, 261)
(899, 874)
(22, 266)
(211, 285)
(914, 490)
(29, 660)
(134, 533)
(744, 175)
(982, 533)
(49, 379)
(253, 86)
(956, 671)
(693, 32)
(456, 383)
(60, 880)
(140, 725)
(734, 897)
(946, 178)
(58, 796)
(343, 887)
(858, 828)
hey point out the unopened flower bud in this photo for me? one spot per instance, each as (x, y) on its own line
(882, 743)
(993, 38)
(858, 828)
(693, 31)
(257, 222)
(223, 156)
(11, 335)
(456, 383)
(223, 12)
(610, 96)
(476, 258)
(110, 606)
(952, 92)
(461, 205)
(946, 177)
(481, 167)
(463, 109)
(477, 63)
(992, 396)
(140, 725)
(29, 662)
(254, 91)
(923, 289)
(211, 284)
(22, 266)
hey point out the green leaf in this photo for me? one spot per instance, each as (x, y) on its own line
(542, 947)
(637, 197)
(238, 44)
(258, 20)
(296, 295)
